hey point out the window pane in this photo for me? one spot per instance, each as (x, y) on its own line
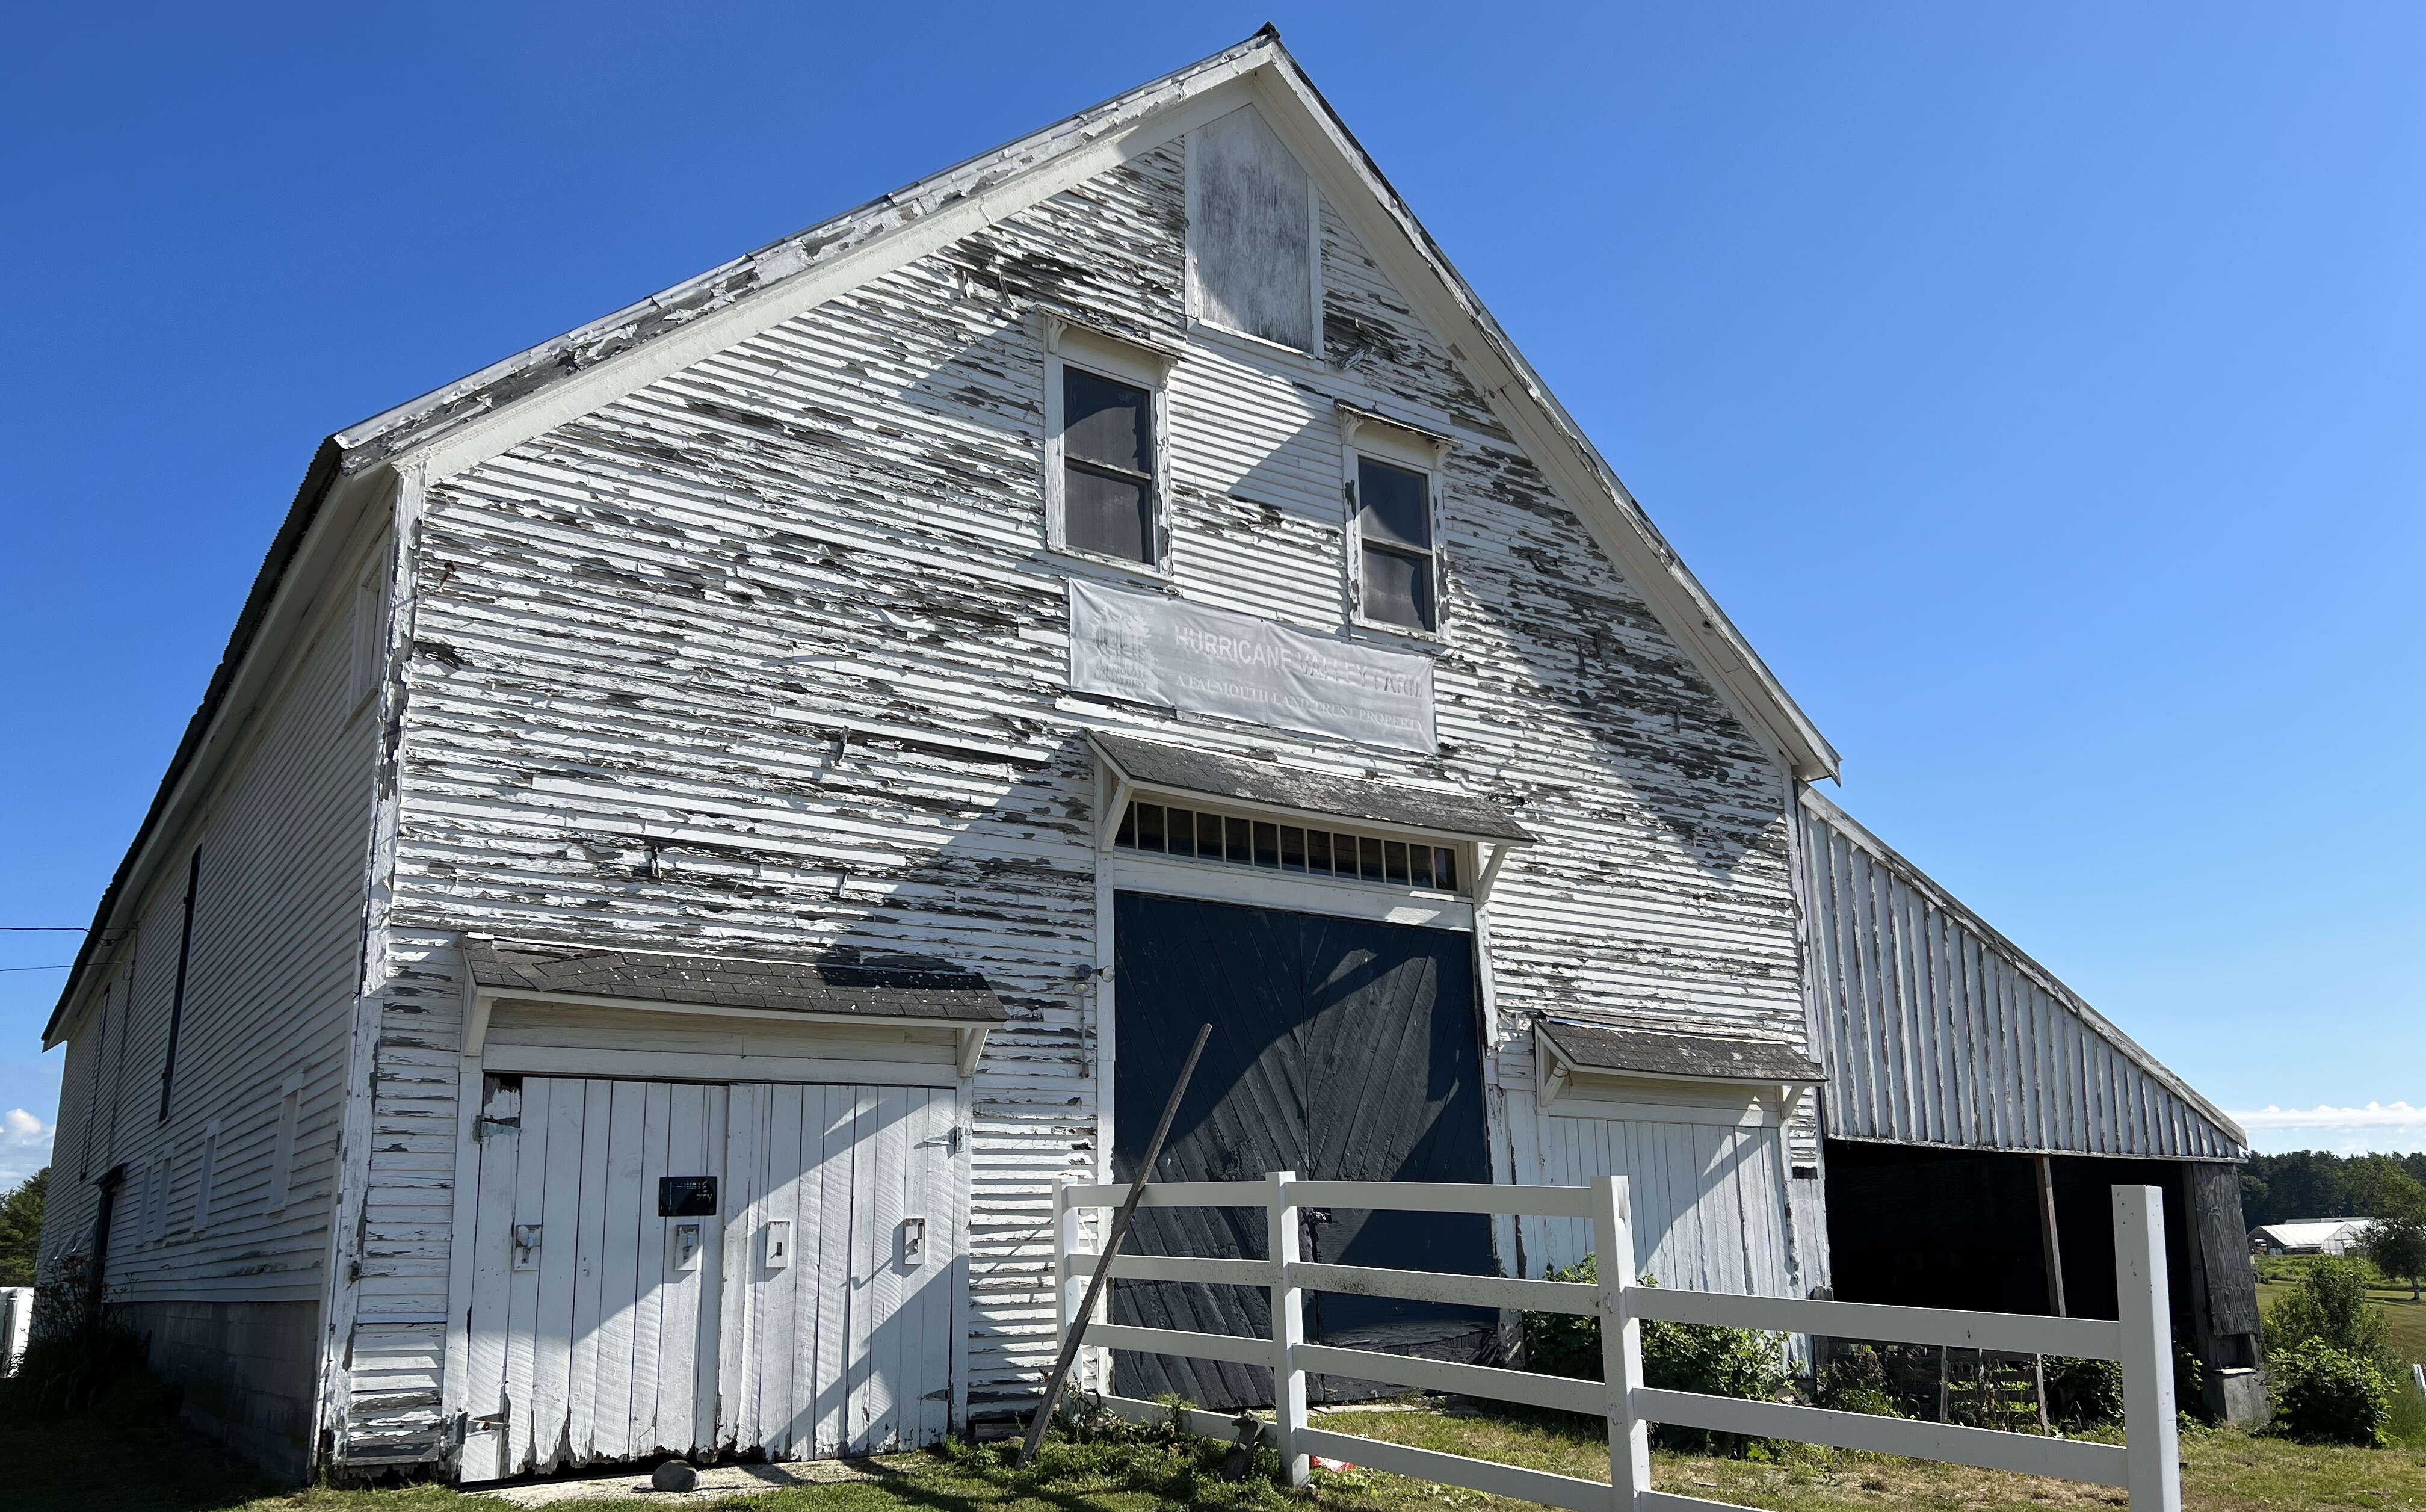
(1105, 422)
(1149, 825)
(1292, 848)
(1110, 515)
(1239, 840)
(1182, 833)
(1368, 850)
(1444, 867)
(1208, 836)
(1391, 504)
(1128, 828)
(1419, 866)
(1397, 588)
(1268, 845)
(1395, 864)
(1317, 850)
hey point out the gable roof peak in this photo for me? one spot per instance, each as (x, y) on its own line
(488, 411)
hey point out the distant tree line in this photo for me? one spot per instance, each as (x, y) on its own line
(2312, 1183)
(21, 1228)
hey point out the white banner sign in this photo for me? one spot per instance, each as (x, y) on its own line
(1154, 650)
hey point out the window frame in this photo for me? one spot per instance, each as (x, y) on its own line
(1112, 357)
(1192, 285)
(366, 650)
(286, 1129)
(206, 1175)
(1362, 435)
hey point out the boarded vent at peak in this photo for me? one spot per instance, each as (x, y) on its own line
(1250, 232)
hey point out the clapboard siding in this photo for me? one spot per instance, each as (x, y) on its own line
(1936, 1030)
(769, 656)
(270, 982)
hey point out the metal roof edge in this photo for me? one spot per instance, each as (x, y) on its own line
(2105, 1028)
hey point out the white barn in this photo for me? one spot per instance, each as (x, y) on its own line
(697, 824)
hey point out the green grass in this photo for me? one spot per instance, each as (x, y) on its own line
(129, 1461)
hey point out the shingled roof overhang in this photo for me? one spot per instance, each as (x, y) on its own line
(906, 987)
(896, 991)
(500, 406)
(1617, 1051)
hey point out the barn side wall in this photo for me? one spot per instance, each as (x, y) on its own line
(204, 1254)
(770, 655)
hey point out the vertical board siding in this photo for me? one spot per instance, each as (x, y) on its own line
(270, 987)
(1708, 1200)
(604, 1349)
(1936, 1030)
(768, 656)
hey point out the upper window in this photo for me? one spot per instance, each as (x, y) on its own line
(1251, 233)
(1394, 561)
(1104, 485)
(1107, 466)
(1394, 530)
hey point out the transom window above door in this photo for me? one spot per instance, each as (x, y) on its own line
(1243, 840)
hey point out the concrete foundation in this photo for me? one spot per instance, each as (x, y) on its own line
(2238, 1396)
(247, 1371)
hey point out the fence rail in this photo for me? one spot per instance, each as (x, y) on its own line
(2141, 1341)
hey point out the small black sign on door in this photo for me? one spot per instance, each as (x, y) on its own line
(685, 1196)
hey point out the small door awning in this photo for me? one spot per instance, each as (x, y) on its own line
(842, 988)
(1260, 784)
(1565, 1049)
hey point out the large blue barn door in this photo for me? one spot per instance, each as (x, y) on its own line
(1343, 1050)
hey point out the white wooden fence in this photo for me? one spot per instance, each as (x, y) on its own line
(2142, 1341)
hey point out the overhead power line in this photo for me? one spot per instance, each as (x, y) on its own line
(63, 966)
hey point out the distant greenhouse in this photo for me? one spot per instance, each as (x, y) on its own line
(2308, 1236)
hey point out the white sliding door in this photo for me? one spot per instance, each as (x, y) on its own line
(1708, 1197)
(678, 1269)
(840, 1269)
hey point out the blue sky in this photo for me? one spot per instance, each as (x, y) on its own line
(2039, 387)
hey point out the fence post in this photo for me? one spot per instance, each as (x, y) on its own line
(1288, 1330)
(1621, 1343)
(1062, 1247)
(2144, 1308)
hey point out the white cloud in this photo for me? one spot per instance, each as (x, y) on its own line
(25, 1146)
(2390, 1128)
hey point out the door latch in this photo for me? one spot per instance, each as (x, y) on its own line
(779, 1243)
(687, 1245)
(914, 1241)
(526, 1246)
